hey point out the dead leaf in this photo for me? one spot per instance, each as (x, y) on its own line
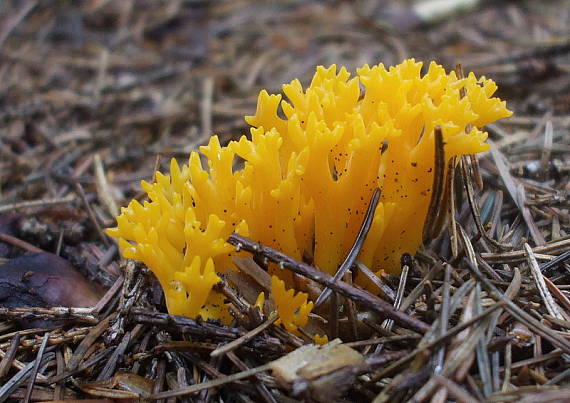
(44, 280)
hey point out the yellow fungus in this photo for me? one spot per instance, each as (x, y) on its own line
(307, 179)
(260, 301)
(320, 340)
(293, 308)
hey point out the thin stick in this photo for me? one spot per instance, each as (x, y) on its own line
(36, 368)
(262, 389)
(210, 384)
(519, 314)
(518, 256)
(389, 323)
(428, 346)
(5, 208)
(356, 248)
(57, 312)
(548, 266)
(108, 295)
(385, 291)
(232, 345)
(93, 335)
(91, 214)
(359, 296)
(19, 243)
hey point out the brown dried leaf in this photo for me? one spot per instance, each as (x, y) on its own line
(43, 280)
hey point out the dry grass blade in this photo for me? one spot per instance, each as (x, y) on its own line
(455, 390)
(470, 310)
(541, 284)
(103, 189)
(529, 394)
(563, 299)
(474, 207)
(559, 378)
(436, 342)
(521, 315)
(206, 107)
(458, 359)
(17, 19)
(87, 364)
(483, 361)
(537, 236)
(510, 293)
(91, 214)
(14, 382)
(8, 358)
(333, 317)
(504, 173)
(79, 353)
(351, 310)
(111, 364)
(444, 317)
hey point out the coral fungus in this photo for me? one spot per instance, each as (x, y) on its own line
(293, 309)
(308, 177)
